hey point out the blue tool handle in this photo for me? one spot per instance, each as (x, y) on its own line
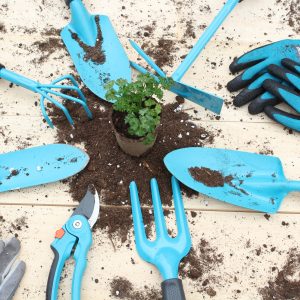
(289, 120)
(172, 289)
(204, 39)
(80, 256)
(18, 79)
(83, 23)
(151, 63)
(62, 249)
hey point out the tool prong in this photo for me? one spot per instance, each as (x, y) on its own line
(160, 224)
(137, 216)
(183, 234)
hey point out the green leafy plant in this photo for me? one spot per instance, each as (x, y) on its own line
(141, 101)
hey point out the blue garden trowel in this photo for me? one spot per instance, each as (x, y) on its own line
(95, 48)
(40, 165)
(249, 180)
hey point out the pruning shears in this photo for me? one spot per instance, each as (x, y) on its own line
(74, 238)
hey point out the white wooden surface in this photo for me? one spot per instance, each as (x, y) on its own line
(227, 228)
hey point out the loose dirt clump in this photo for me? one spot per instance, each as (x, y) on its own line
(209, 177)
(110, 169)
(286, 284)
(199, 266)
(292, 17)
(2, 28)
(162, 52)
(46, 48)
(122, 288)
(94, 53)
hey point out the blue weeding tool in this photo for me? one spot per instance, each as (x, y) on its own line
(95, 48)
(249, 180)
(200, 97)
(165, 252)
(74, 237)
(47, 91)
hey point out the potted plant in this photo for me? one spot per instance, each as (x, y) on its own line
(137, 111)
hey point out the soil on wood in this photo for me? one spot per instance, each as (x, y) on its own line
(47, 47)
(286, 284)
(292, 8)
(200, 265)
(92, 53)
(210, 177)
(122, 288)
(2, 28)
(110, 169)
(162, 51)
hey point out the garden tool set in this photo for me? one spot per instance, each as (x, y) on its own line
(40, 165)
(200, 97)
(271, 76)
(165, 252)
(48, 91)
(74, 237)
(11, 269)
(94, 48)
(249, 180)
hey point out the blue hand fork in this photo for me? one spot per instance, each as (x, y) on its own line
(165, 252)
(47, 91)
(75, 237)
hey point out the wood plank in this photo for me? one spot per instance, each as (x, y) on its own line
(242, 242)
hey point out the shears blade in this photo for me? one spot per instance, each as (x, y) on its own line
(89, 206)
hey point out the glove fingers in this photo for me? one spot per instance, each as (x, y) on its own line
(253, 90)
(284, 93)
(12, 281)
(284, 118)
(291, 65)
(258, 104)
(285, 74)
(8, 256)
(238, 83)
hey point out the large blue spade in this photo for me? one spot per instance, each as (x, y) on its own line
(95, 48)
(40, 165)
(245, 179)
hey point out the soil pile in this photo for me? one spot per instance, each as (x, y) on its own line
(111, 170)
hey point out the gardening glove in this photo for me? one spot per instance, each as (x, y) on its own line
(255, 64)
(11, 270)
(288, 92)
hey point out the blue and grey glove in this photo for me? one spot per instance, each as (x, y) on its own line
(289, 92)
(255, 64)
(11, 270)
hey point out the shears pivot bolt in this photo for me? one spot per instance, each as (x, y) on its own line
(77, 224)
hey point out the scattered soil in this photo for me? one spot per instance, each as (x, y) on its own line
(94, 53)
(200, 265)
(162, 51)
(210, 177)
(122, 288)
(2, 28)
(110, 169)
(190, 30)
(47, 47)
(286, 285)
(292, 8)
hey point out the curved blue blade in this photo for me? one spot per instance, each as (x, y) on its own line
(40, 165)
(94, 75)
(254, 181)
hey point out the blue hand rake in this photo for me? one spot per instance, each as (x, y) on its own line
(165, 252)
(47, 91)
(200, 97)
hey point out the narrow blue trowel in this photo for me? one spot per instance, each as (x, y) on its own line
(94, 48)
(249, 180)
(40, 165)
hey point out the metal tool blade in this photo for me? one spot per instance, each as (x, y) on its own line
(89, 206)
